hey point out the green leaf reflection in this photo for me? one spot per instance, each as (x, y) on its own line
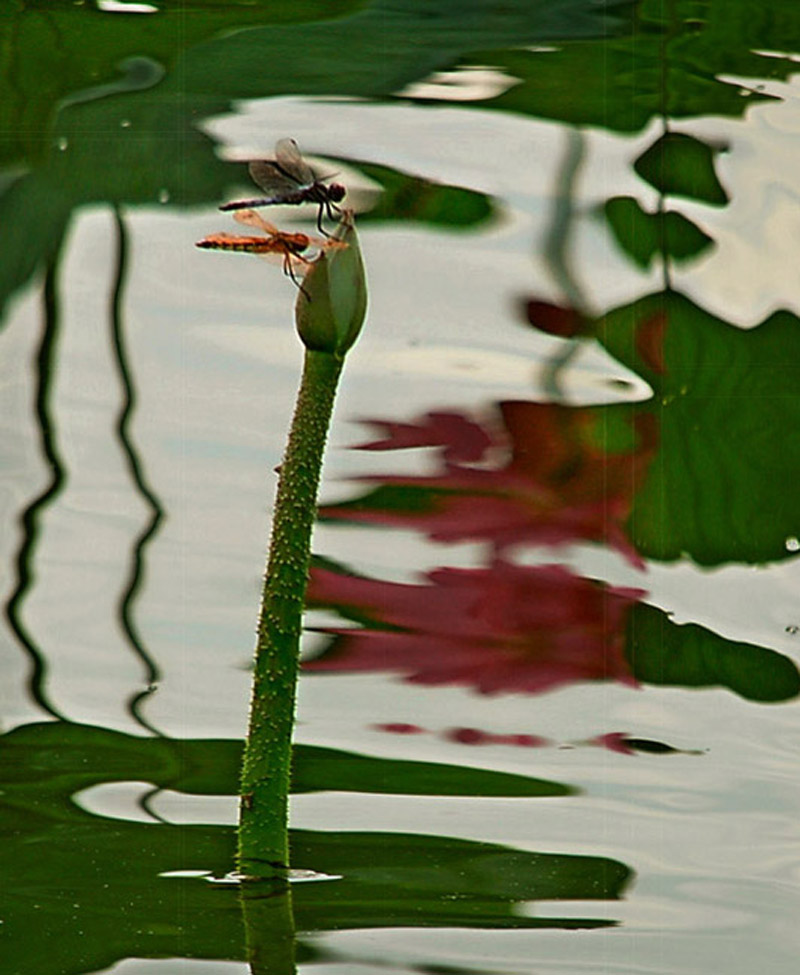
(662, 652)
(407, 197)
(681, 165)
(81, 891)
(644, 235)
(728, 410)
(80, 756)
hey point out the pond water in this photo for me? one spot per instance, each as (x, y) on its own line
(548, 719)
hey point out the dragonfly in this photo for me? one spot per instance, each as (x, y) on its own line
(291, 247)
(289, 179)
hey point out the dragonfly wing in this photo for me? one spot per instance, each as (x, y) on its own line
(251, 219)
(270, 177)
(287, 156)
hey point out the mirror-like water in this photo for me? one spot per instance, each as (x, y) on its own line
(547, 718)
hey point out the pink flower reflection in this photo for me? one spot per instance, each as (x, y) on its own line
(544, 478)
(475, 736)
(460, 438)
(615, 741)
(468, 736)
(501, 628)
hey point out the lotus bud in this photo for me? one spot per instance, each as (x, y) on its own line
(332, 303)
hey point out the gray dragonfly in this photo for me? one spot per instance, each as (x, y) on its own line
(288, 179)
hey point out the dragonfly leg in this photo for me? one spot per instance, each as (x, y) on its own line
(320, 211)
(288, 270)
(332, 211)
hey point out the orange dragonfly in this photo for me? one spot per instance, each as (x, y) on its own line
(290, 246)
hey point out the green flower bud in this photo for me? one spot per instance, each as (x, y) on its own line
(332, 303)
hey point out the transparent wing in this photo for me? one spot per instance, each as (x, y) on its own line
(267, 174)
(251, 219)
(287, 156)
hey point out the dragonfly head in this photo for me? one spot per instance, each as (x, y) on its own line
(336, 192)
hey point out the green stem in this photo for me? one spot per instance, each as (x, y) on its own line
(263, 812)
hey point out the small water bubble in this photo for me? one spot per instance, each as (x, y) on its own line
(163, 195)
(62, 144)
(792, 544)
(125, 123)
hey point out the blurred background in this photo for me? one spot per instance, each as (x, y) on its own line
(550, 675)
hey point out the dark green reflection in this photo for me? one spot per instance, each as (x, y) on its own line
(136, 472)
(81, 891)
(101, 108)
(30, 518)
(728, 411)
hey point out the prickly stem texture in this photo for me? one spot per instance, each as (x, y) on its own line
(263, 849)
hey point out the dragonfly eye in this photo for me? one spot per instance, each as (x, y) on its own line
(336, 192)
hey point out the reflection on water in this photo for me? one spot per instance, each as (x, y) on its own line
(152, 874)
(152, 673)
(548, 475)
(530, 515)
(616, 741)
(498, 628)
(29, 518)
